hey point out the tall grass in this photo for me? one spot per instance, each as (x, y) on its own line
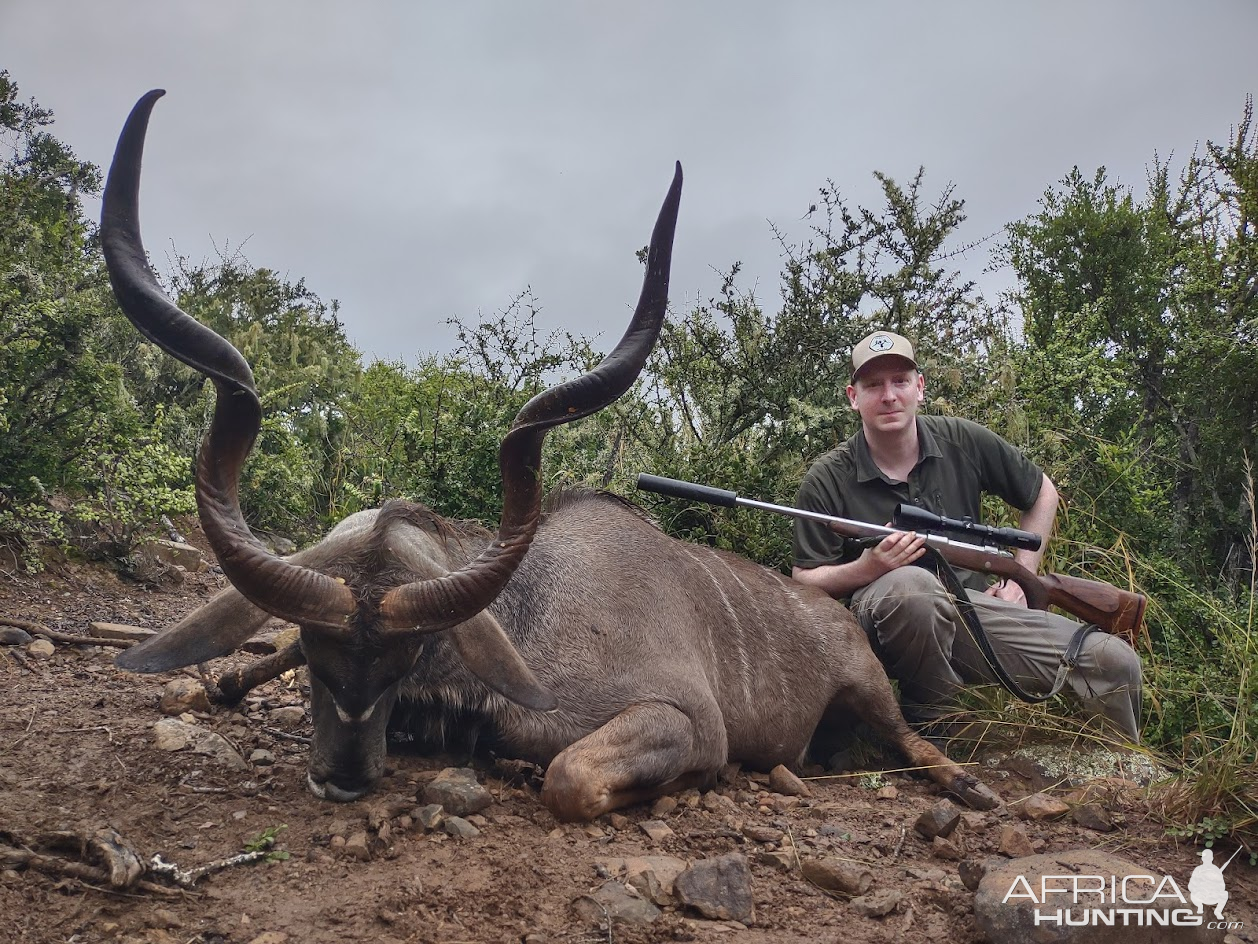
(1215, 792)
(1200, 699)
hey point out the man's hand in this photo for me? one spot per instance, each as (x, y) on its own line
(1007, 590)
(894, 551)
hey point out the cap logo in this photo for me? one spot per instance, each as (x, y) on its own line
(881, 343)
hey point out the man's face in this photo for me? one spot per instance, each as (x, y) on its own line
(887, 394)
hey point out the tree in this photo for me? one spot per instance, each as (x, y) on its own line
(745, 398)
(1140, 356)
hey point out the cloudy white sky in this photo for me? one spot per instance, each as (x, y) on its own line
(418, 161)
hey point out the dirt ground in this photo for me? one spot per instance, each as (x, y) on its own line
(78, 754)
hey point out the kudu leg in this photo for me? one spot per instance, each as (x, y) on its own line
(644, 752)
(872, 700)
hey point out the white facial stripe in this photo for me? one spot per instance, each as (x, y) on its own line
(347, 718)
(351, 719)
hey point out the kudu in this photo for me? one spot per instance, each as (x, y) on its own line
(632, 664)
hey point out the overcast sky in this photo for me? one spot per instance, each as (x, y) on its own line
(418, 161)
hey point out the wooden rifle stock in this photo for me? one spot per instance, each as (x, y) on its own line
(1114, 610)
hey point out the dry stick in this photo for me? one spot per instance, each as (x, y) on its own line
(186, 878)
(35, 629)
(12, 858)
(234, 685)
(21, 659)
(899, 846)
(25, 734)
(285, 736)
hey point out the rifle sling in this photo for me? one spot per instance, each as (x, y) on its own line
(935, 562)
(969, 616)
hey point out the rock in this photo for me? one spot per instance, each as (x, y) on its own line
(715, 802)
(781, 804)
(1029, 769)
(277, 543)
(459, 828)
(1005, 911)
(183, 694)
(655, 830)
(1093, 816)
(430, 816)
(262, 758)
(172, 735)
(163, 918)
(718, 888)
(385, 809)
(121, 631)
(948, 849)
(614, 902)
(357, 846)
(763, 833)
(218, 747)
(836, 875)
(271, 641)
(782, 781)
(971, 872)
(40, 649)
(13, 636)
(886, 793)
(663, 806)
(653, 877)
(172, 554)
(1077, 764)
(940, 820)
(1013, 842)
(286, 637)
(288, 715)
(782, 861)
(1040, 807)
(458, 791)
(270, 937)
(876, 905)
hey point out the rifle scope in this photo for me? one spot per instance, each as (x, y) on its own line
(911, 518)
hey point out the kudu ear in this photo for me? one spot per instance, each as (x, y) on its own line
(490, 656)
(216, 629)
(223, 625)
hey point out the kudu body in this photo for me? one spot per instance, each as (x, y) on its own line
(583, 638)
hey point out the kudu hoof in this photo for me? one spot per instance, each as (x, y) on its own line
(973, 793)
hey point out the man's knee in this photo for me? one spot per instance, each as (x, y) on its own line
(905, 588)
(1116, 662)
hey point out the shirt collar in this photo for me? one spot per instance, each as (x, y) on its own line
(867, 470)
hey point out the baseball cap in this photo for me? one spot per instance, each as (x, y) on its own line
(880, 344)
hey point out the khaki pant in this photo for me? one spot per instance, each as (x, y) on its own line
(916, 631)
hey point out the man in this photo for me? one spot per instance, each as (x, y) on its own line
(944, 465)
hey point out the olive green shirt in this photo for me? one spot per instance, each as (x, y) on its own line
(958, 461)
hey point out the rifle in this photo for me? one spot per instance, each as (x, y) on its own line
(1112, 609)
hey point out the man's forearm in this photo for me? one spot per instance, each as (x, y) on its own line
(1038, 518)
(838, 580)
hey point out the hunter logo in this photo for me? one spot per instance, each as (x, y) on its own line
(880, 343)
(1076, 900)
(1206, 887)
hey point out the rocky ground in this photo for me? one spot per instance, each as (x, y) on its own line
(97, 776)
